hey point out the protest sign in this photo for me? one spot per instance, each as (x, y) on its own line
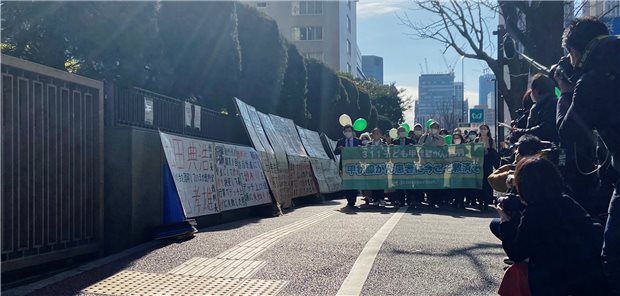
(284, 178)
(413, 167)
(266, 153)
(239, 178)
(302, 178)
(213, 177)
(324, 168)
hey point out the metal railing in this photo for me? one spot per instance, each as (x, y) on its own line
(142, 108)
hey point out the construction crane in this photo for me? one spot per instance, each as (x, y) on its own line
(450, 66)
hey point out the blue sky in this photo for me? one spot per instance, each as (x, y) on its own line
(379, 33)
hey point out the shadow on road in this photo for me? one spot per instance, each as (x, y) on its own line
(473, 254)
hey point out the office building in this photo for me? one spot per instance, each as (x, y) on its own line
(437, 99)
(486, 90)
(323, 30)
(601, 9)
(372, 66)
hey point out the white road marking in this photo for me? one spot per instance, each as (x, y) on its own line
(354, 282)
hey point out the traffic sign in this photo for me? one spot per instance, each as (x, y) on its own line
(476, 115)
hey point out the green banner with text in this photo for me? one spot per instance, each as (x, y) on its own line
(413, 167)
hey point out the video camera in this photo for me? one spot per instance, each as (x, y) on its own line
(564, 69)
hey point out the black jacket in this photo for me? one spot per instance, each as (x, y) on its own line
(342, 143)
(407, 142)
(563, 245)
(541, 121)
(596, 100)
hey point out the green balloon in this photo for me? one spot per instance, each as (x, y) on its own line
(558, 93)
(407, 127)
(360, 124)
(429, 122)
(448, 139)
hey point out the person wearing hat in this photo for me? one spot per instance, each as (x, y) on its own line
(432, 138)
(416, 134)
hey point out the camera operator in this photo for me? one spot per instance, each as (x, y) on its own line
(559, 238)
(592, 93)
(501, 180)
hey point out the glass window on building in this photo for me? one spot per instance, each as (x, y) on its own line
(348, 47)
(261, 4)
(307, 33)
(307, 7)
(348, 68)
(349, 24)
(314, 55)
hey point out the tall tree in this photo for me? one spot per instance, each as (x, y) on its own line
(463, 26)
(263, 59)
(202, 50)
(292, 103)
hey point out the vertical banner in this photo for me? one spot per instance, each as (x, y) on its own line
(266, 153)
(214, 177)
(302, 182)
(148, 111)
(188, 114)
(197, 116)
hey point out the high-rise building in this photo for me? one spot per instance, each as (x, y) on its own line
(601, 8)
(437, 100)
(372, 66)
(607, 10)
(459, 93)
(486, 90)
(323, 30)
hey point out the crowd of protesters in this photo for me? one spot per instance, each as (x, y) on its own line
(559, 210)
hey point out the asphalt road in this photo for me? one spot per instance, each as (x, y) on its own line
(313, 249)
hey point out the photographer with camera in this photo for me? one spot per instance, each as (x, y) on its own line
(558, 238)
(592, 93)
(501, 180)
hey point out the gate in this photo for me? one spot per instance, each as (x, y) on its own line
(51, 164)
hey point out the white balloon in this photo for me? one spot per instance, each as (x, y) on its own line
(345, 120)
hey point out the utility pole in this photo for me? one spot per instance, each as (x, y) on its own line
(499, 97)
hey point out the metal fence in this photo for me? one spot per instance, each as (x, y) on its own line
(133, 106)
(51, 164)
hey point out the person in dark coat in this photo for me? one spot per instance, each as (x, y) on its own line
(491, 162)
(556, 237)
(402, 195)
(541, 121)
(592, 92)
(402, 138)
(349, 140)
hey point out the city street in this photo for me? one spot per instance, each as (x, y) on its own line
(314, 250)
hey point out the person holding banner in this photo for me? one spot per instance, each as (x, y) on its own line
(417, 134)
(349, 140)
(432, 138)
(377, 140)
(402, 140)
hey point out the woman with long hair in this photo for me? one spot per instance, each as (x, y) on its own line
(491, 162)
